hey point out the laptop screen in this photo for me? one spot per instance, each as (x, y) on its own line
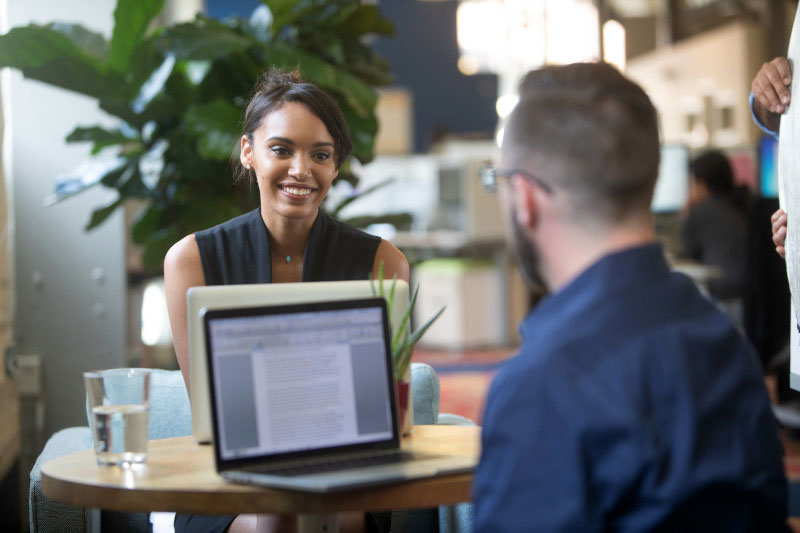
(301, 377)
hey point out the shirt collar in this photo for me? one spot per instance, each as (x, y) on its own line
(625, 268)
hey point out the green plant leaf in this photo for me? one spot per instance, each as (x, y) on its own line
(101, 138)
(380, 280)
(118, 175)
(334, 50)
(131, 18)
(401, 329)
(147, 222)
(100, 215)
(346, 176)
(390, 298)
(281, 11)
(217, 127)
(367, 19)
(88, 174)
(50, 56)
(402, 361)
(91, 43)
(362, 132)
(156, 247)
(417, 335)
(202, 40)
(357, 94)
(407, 347)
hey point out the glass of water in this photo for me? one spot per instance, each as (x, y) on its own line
(118, 401)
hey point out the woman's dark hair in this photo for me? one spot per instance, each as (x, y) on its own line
(277, 87)
(714, 170)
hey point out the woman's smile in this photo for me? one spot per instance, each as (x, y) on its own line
(296, 191)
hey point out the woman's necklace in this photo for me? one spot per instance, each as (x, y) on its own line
(287, 257)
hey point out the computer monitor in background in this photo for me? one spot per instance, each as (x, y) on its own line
(768, 167)
(672, 187)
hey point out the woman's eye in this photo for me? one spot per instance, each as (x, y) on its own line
(322, 156)
(280, 150)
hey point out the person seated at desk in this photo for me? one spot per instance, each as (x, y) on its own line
(714, 230)
(634, 403)
(295, 139)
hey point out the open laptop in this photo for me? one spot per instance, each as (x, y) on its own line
(302, 397)
(230, 296)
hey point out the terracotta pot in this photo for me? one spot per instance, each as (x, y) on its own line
(404, 415)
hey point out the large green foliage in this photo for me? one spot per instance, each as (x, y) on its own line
(179, 93)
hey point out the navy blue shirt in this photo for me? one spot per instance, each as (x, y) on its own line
(633, 405)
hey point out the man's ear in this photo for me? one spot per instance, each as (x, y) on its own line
(526, 207)
(246, 153)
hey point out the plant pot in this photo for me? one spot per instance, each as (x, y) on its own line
(405, 413)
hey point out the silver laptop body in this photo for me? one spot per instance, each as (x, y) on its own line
(302, 397)
(231, 296)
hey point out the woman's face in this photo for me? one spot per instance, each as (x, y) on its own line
(292, 156)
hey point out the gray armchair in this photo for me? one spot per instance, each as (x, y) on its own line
(170, 416)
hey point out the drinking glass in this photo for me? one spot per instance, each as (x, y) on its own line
(118, 401)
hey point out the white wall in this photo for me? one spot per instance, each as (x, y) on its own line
(701, 75)
(69, 285)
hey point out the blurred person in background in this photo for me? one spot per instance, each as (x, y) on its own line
(714, 230)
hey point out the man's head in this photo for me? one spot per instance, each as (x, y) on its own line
(711, 176)
(591, 136)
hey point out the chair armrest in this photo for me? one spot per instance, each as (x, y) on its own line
(47, 515)
(449, 419)
(424, 393)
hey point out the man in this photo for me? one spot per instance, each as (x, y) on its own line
(633, 404)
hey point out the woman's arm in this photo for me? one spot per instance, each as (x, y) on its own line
(394, 262)
(182, 269)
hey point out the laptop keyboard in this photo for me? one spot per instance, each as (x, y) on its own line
(338, 464)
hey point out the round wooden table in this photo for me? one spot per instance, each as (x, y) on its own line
(180, 476)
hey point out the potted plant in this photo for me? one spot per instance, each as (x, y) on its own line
(403, 342)
(178, 94)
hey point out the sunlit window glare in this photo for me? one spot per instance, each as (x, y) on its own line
(155, 320)
(614, 44)
(505, 104)
(498, 137)
(518, 35)
(572, 31)
(481, 26)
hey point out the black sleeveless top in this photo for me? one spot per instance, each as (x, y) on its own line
(237, 251)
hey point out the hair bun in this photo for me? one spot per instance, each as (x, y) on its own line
(276, 78)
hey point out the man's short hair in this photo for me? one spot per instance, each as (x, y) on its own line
(591, 132)
(713, 168)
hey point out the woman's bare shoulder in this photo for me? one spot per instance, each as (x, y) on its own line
(394, 262)
(183, 259)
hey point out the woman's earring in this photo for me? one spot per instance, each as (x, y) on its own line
(247, 166)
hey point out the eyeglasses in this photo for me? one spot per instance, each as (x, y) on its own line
(489, 177)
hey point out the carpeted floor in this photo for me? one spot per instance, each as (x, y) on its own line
(464, 377)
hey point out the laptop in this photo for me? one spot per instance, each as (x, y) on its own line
(231, 296)
(302, 397)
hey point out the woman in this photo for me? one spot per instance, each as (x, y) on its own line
(295, 139)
